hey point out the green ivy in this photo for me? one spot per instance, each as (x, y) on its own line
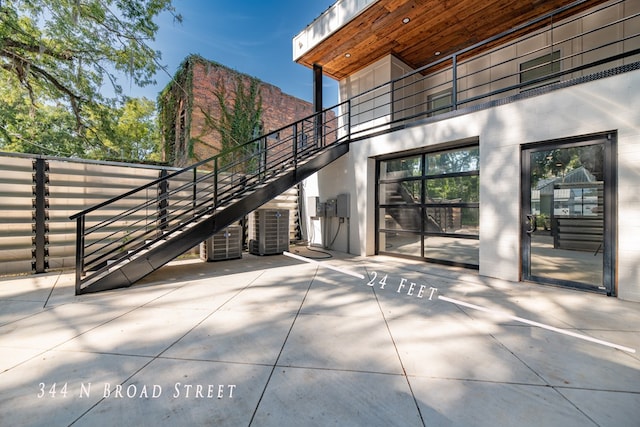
(180, 89)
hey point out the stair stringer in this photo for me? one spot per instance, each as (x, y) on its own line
(133, 269)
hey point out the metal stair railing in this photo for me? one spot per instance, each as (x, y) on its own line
(112, 233)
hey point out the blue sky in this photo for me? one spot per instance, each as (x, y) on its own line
(251, 36)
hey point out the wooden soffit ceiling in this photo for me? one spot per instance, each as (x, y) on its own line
(443, 26)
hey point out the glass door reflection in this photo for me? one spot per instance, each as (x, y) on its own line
(565, 219)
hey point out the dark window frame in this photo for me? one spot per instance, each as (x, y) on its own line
(422, 178)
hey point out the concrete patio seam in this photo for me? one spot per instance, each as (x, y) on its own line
(230, 362)
(156, 357)
(355, 371)
(520, 383)
(575, 406)
(275, 364)
(68, 340)
(25, 317)
(561, 387)
(52, 289)
(395, 347)
(552, 387)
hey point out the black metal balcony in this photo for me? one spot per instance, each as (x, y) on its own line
(545, 54)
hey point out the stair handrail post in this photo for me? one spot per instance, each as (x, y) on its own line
(194, 198)
(163, 201)
(80, 222)
(320, 129)
(295, 145)
(315, 144)
(215, 182)
(325, 126)
(263, 158)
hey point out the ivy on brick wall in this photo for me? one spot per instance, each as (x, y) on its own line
(173, 103)
(233, 113)
(240, 118)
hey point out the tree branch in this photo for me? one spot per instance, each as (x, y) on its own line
(39, 49)
(24, 66)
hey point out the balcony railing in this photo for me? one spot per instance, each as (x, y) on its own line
(542, 55)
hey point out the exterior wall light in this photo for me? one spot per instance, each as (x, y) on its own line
(347, 55)
(406, 20)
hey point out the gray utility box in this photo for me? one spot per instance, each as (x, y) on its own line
(269, 231)
(225, 244)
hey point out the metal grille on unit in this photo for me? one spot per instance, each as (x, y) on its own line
(226, 244)
(269, 231)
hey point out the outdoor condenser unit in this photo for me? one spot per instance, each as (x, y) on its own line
(269, 231)
(226, 244)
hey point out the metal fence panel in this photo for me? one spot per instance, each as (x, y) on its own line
(16, 210)
(76, 186)
(36, 234)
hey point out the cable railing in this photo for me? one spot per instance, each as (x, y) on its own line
(116, 231)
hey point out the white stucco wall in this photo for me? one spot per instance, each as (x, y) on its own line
(611, 104)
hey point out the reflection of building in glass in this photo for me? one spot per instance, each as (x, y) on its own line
(539, 89)
(429, 206)
(576, 194)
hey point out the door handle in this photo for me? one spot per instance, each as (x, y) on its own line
(532, 223)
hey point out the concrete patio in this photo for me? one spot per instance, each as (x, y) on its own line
(272, 341)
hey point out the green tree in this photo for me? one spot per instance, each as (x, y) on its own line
(129, 133)
(138, 126)
(48, 129)
(58, 61)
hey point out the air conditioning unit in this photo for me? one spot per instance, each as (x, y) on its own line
(269, 231)
(226, 244)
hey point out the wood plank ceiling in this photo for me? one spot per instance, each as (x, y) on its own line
(435, 27)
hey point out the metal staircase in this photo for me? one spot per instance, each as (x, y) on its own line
(397, 195)
(124, 239)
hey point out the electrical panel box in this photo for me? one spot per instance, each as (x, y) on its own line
(342, 206)
(226, 244)
(314, 206)
(269, 231)
(331, 207)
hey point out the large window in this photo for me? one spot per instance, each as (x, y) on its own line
(428, 206)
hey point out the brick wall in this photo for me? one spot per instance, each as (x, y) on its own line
(278, 109)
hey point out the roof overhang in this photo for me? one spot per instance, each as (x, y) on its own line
(354, 33)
